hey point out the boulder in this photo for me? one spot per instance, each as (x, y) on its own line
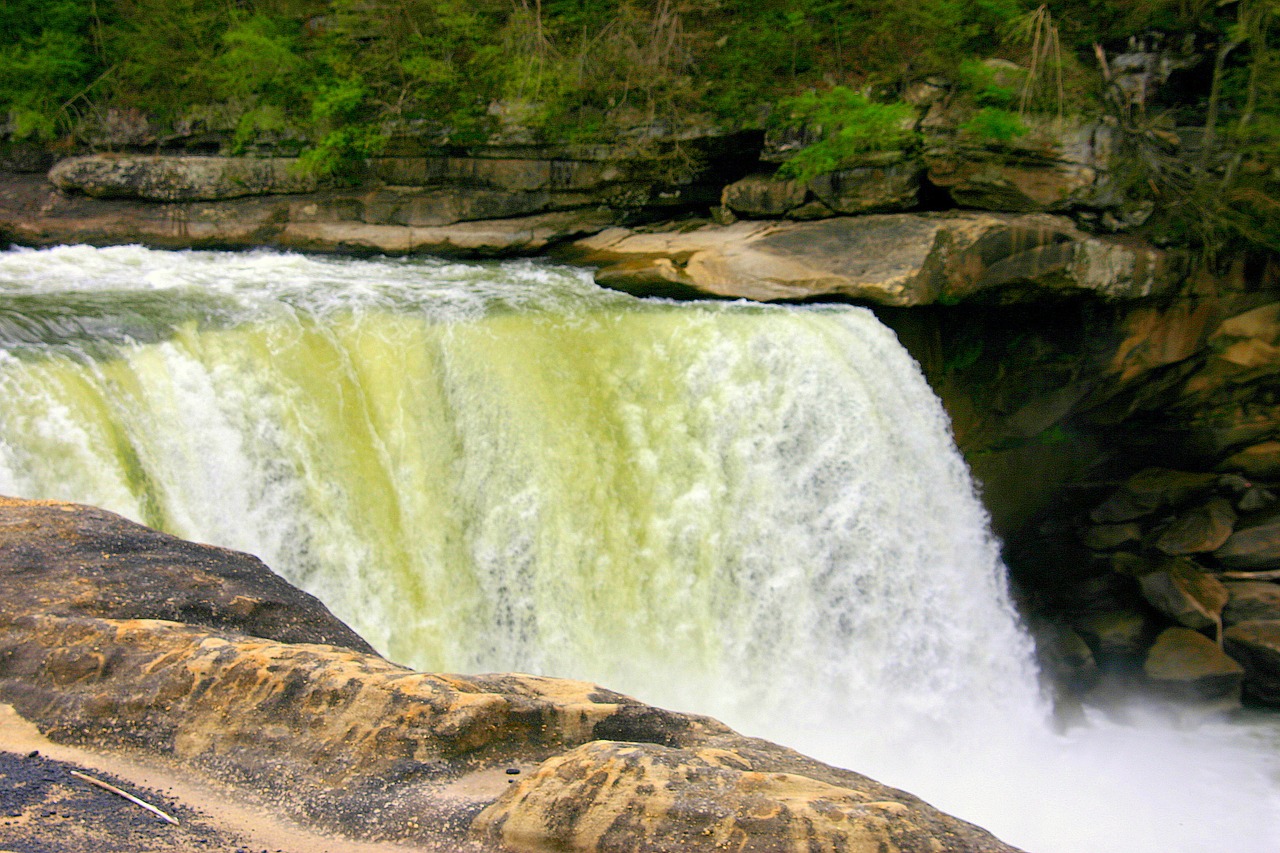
(179, 178)
(870, 188)
(644, 797)
(1185, 594)
(1152, 489)
(1185, 664)
(1199, 530)
(1250, 601)
(889, 259)
(1108, 537)
(59, 559)
(1050, 169)
(1260, 460)
(1116, 635)
(354, 744)
(1257, 646)
(762, 196)
(1255, 544)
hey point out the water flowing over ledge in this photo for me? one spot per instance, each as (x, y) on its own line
(748, 511)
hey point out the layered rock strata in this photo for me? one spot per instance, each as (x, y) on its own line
(294, 706)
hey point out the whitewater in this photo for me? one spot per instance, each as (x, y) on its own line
(753, 512)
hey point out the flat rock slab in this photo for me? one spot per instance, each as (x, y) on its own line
(889, 259)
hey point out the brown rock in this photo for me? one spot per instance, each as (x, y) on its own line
(1188, 665)
(1108, 537)
(61, 559)
(1259, 460)
(1152, 489)
(763, 196)
(890, 259)
(870, 188)
(1257, 646)
(1185, 594)
(1251, 601)
(355, 744)
(1199, 530)
(642, 797)
(1116, 634)
(1048, 170)
(486, 238)
(1255, 543)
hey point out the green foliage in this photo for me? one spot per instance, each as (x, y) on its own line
(848, 124)
(45, 62)
(985, 86)
(994, 124)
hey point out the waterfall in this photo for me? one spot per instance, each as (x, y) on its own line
(749, 511)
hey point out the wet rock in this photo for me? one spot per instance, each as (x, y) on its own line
(1185, 594)
(1185, 664)
(1200, 530)
(1116, 634)
(170, 178)
(1256, 645)
(1255, 544)
(1251, 601)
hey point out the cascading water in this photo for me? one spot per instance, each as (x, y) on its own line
(748, 511)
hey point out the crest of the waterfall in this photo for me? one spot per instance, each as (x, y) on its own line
(753, 512)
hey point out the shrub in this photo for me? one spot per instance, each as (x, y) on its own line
(848, 123)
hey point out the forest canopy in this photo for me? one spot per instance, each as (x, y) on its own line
(333, 80)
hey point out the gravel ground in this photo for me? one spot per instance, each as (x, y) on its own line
(45, 809)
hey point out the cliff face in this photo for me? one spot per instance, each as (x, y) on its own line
(1073, 346)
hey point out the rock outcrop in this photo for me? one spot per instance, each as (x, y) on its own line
(346, 740)
(887, 259)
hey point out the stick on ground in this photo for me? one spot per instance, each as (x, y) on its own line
(106, 786)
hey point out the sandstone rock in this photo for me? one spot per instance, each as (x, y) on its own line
(62, 559)
(870, 188)
(350, 742)
(1047, 170)
(1256, 645)
(1251, 601)
(485, 238)
(1187, 665)
(763, 196)
(1199, 530)
(642, 797)
(1064, 656)
(890, 259)
(1255, 544)
(1185, 594)
(168, 178)
(1149, 490)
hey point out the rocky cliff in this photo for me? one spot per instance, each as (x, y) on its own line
(116, 636)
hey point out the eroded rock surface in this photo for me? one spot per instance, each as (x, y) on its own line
(888, 259)
(352, 742)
